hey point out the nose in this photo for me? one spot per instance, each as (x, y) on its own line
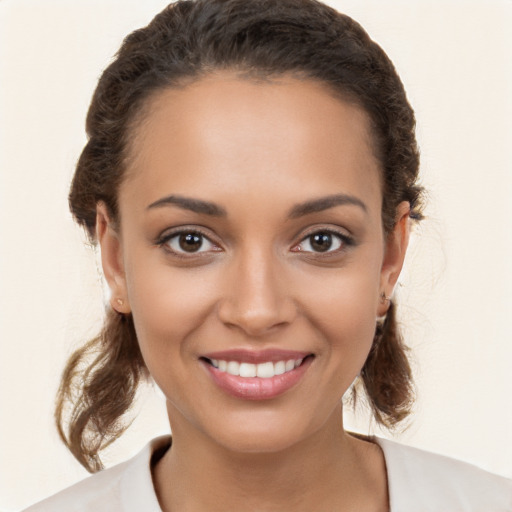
(257, 299)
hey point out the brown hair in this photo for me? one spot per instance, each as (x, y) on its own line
(258, 38)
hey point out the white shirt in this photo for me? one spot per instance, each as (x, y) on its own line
(418, 481)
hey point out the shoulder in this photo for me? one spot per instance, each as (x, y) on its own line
(126, 487)
(426, 482)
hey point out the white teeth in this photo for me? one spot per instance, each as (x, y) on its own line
(247, 370)
(233, 368)
(279, 368)
(265, 370)
(262, 370)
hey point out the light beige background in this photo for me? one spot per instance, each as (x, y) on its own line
(455, 60)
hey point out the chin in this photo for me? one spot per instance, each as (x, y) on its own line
(263, 432)
(259, 442)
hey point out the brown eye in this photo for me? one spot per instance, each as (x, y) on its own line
(190, 242)
(321, 242)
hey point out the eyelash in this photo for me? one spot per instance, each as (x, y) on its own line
(164, 242)
(345, 241)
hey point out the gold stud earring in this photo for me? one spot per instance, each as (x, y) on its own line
(120, 302)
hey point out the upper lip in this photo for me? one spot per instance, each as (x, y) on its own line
(256, 356)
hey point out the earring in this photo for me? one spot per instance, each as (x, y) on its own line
(384, 299)
(120, 302)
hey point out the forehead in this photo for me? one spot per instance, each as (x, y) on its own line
(235, 134)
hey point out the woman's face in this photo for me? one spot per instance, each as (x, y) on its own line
(251, 242)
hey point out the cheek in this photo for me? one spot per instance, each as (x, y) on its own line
(168, 309)
(168, 305)
(342, 305)
(348, 321)
(346, 296)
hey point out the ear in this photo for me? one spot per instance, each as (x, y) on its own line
(112, 259)
(394, 255)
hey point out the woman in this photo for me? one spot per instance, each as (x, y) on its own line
(250, 176)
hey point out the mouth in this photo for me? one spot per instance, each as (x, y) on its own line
(257, 376)
(265, 370)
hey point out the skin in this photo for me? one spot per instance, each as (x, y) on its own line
(257, 150)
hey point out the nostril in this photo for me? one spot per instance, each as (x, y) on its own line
(257, 299)
(255, 321)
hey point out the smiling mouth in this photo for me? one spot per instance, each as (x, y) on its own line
(265, 370)
(259, 379)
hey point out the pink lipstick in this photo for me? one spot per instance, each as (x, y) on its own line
(257, 375)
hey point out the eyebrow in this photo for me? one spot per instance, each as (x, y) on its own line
(299, 210)
(324, 203)
(194, 205)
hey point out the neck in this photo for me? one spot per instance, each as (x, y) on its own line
(329, 470)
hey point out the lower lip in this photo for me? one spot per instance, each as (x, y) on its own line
(256, 388)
